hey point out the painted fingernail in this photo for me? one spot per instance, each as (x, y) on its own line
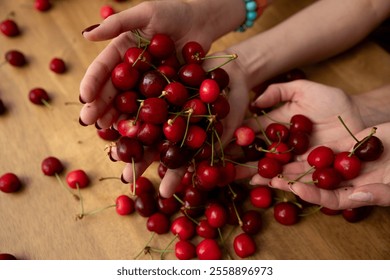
(123, 180)
(290, 187)
(82, 123)
(361, 196)
(97, 126)
(90, 28)
(81, 100)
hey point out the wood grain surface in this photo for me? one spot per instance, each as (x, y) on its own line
(39, 222)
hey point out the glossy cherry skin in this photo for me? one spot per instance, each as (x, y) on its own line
(145, 204)
(195, 137)
(207, 175)
(149, 134)
(38, 96)
(185, 250)
(216, 215)
(124, 205)
(158, 223)
(57, 65)
(209, 91)
(327, 178)
(193, 52)
(301, 123)
(152, 84)
(174, 156)
(108, 134)
(244, 245)
(42, 5)
(174, 129)
(198, 109)
(252, 222)
(220, 108)
(15, 58)
(124, 76)
(279, 151)
(9, 28)
(286, 213)
(77, 179)
(277, 132)
(208, 249)
(129, 149)
(205, 230)
(370, 150)
(168, 206)
(192, 74)
(126, 102)
(269, 167)
(138, 58)
(10, 183)
(220, 76)
(142, 185)
(348, 165)
(154, 110)
(261, 197)
(161, 46)
(299, 142)
(51, 166)
(321, 157)
(183, 227)
(354, 215)
(176, 93)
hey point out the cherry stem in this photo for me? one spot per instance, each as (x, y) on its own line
(273, 120)
(346, 127)
(67, 189)
(262, 130)
(146, 245)
(81, 215)
(166, 248)
(240, 164)
(140, 38)
(308, 213)
(44, 102)
(96, 211)
(108, 178)
(360, 143)
(190, 111)
(238, 216)
(230, 57)
(302, 175)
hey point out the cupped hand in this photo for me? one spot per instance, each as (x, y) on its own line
(176, 19)
(371, 187)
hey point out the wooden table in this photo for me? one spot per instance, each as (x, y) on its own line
(39, 221)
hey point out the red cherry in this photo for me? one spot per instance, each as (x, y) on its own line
(244, 245)
(193, 52)
(42, 5)
(269, 167)
(142, 185)
(327, 178)
(152, 84)
(77, 179)
(176, 93)
(216, 215)
(261, 197)
(205, 230)
(9, 28)
(145, 204)
(108, 134)
(220, 107)
(129, 149)
(173, 156)
(370, 150)
(128, 127)
(254, 151)
(227, 173)
(321, 157)
(38, 96)
(124, 76)
(348, 165)
(330, 212)
(57, 65)
(251, 222)
(10, 183)
(183, 227)
(158, 223)
(354, 215)
(138, 58)
(124, 205)
(208, 249)
(277, 132)
(185, 250)
(279, 151)
(161, 46)
(168, 206)
(209, 91)
(286, 213)
(192, 74)
(301, 123)
(220, 76)
(15, 58)
(51, 166)
(196, 137)
(174, 129)
(149, 134)
(207, 175)
(197, 107)
(299, 142)
(106, 11)
(244, 135)
(154, 110)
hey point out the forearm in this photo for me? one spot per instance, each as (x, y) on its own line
(374, 105)
(321, 30)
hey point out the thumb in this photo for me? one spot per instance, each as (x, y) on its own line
(372, 194)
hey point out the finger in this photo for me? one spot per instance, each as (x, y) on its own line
(139, 167)
(246, 171)
(127, 20)
(371, 194)
(108, 118)
(171, 181)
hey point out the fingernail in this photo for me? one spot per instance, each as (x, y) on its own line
(81, 122)
(361, 196)
(97, 126)
(270, 184)
(290, 187)
(123, 180)
(90, 28)
(81, 100)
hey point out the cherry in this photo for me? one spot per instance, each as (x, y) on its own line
(183, 228)
(196, 137)
(129, 149)
(244, 245)
(152, 84)
(251, 222)
(142, 185)
(216, 215)
(354, 215)
(286, 213)
(168, 206)
(185, 250)
(109, 134)
(161, 46)
(208, 249)
(261, 197)
(7, 256)
(196, 109)
(207, 175)
(124, 205)
(192, 74)
(227, 173)
(269, 167)
(158, 223)
(347, 164)
(9, 28)
(193, 52)
(51, 166)
(154, 110)
(321, 157)
(277, 132)
(106, 11)
(205, 230)
(330, 212)
(220, 76)
(128, 127)
(209, 91)
(139, 58)
(174, 129)
(38, 96)
(57, 65)
(149, 134)
(42, 5)
(168, 71)
(301, 123)
(254, 151)
(279, 151)
(173, 156)
(327, 178)
(176, 93)
(15, 58)
(220, 107)
(145, 204)
(299, 142)
(77, 179)
(244, 135)
(10, 183)
(369, 149)
(124, 76)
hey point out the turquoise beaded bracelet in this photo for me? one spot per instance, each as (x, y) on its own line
(251, 15)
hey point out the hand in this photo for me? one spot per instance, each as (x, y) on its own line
(176, 19)
(371, 187)
(320, 103)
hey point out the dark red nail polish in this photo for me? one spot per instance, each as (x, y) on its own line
(90, 28)
(81, 122)
(81, 100)
(97, 126)
(123, 180)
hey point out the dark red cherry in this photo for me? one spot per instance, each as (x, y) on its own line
(124, 76)
(176, 93)
(277, 132)
(145, 204)
(149, 134)
(15, 58)
(348, 165)
(220, 76)
(129, 149)
(183, 228)
(173, 156)
(174, 129)
(244, 245)
(7, 256)
(216, 215)
(126, 102)
(301, 123)
(321, 157)
(220, 107)
(154, 110)
(203, 229)
(57, 65)
(286, 213)
(261, 196)
(269, 167)
(192, 74)
(193, 52)
(152, 84)
(9, 28)
(108, 134)
(138, 58)
(9, 183)
(198, 109)
(299, 142)
(158, 223)
(38, 96)
(51, 166)
(252, 222)
(370, 149)
(354, 215)
(161, 46)
(327, 178)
